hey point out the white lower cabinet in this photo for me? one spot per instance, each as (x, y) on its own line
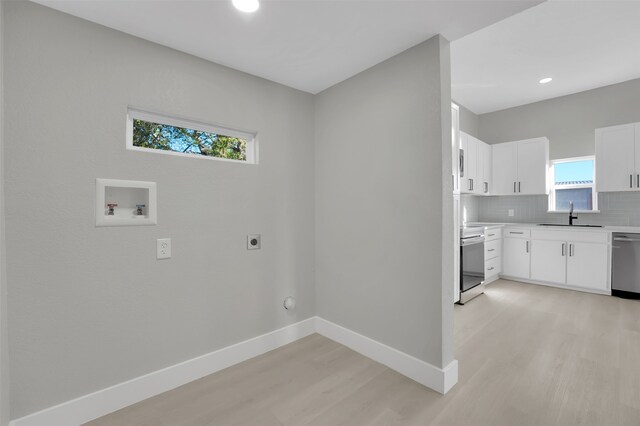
(574, 259)
(515, 257)
(548, 261)
(492, 254)
(587, 266)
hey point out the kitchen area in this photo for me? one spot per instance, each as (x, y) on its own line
(581, 235)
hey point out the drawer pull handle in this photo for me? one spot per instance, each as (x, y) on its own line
(492, 235)
(513, 232)
(491, 269)
(491, 250)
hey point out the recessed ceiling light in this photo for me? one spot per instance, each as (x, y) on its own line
(545, 80)
(246, 5)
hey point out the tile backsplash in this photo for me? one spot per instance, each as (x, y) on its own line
(616, 208)
(469, 205)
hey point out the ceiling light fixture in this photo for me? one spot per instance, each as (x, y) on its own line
(545, 80)
(247, 6)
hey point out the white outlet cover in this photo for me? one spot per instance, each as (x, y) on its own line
(253, 242)
(163, 248)
(512, 212)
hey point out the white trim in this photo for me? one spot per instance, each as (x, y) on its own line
(438, 379)
(565, 212)
(552, 186)
(606, 292)
(105, 401)
(250, 137)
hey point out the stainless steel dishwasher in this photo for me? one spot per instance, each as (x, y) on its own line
(625, 270)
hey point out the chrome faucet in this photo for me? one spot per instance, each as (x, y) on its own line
(571, 216)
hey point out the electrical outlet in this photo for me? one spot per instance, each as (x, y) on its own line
(512, 212)
(253, 242)
(163, 248)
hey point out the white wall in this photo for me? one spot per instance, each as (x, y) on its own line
(91, 307)
(383, 198)
(4, 353)
(568, 121)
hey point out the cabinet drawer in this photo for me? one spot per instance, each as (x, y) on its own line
(492, 267)
(596, 236)
(492, 234)
(492, 249)
(517, 233)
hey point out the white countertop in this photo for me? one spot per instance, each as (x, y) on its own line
(607, 228)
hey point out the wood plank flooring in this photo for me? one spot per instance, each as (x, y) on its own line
(529, 355)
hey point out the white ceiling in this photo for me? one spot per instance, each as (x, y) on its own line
(305, 44)
(581, 44)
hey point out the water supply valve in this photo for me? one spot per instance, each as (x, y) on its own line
(111, 206)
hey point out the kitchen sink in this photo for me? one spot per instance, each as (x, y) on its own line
(570, 226)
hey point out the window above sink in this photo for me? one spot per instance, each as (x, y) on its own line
(573, 180)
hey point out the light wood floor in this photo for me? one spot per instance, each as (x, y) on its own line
(529, 355)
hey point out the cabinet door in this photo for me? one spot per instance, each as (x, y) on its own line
(465, 183)
(587, 266)
(455, 149)
(515, 258)
(484, 168)
(548, 261)
(615, 153)
(469, 183)
(533, 164)
(504, 165)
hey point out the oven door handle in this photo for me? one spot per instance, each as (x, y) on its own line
(470, 241)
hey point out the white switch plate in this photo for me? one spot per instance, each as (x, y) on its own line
(163, 248)
(512, 212)
(253, 242)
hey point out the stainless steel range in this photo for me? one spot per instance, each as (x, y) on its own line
(471, 263)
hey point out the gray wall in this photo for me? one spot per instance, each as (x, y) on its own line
(4, 353)
(91, 307)
(469, 122)
(381, 172)
(568, 121)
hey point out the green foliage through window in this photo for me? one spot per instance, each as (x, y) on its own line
(164, 137)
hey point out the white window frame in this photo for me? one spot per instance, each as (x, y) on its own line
(137, 114)
(552, 185)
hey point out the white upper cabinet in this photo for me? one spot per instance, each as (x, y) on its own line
(505, 168)
(468, 174)
(455, 149)
(520, 167)
(474, 176)
(485, 168)
(618, 158)
(533, 166)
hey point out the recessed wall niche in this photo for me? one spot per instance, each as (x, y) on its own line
(125, 203)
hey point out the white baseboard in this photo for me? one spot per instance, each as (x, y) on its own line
(438, 379)
(105, 401)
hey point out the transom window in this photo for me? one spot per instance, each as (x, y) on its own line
(573, 180)
(170, 135)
